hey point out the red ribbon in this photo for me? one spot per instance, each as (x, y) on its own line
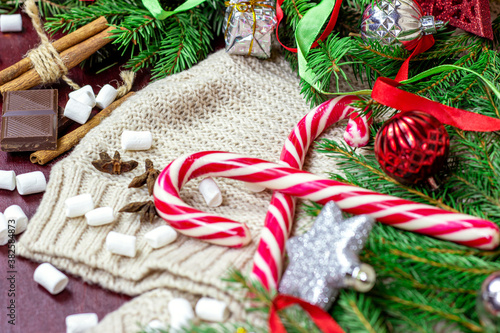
(385, 92)
(419, 46)
(319, 317)
(324, 35)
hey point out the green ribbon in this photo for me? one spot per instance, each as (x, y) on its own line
(444, 68)
(157, 11)
(307, 30)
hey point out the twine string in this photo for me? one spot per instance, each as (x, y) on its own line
(128, 79)
(48, 63)
(45, 59)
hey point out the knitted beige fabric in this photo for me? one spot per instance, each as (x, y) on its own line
(229, 103)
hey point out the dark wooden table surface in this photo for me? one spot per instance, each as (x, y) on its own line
(35, 309)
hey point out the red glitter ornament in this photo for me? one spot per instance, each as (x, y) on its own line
(412, 146)
(469, 15)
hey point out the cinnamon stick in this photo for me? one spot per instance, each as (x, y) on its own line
(71, 57)
(60, 45)
(71, 139)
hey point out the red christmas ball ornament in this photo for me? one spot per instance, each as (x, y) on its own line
(412, 146)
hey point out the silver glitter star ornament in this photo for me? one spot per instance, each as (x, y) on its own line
(325, 259)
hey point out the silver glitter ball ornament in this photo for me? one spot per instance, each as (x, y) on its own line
(488, 303)
(325, 259)
(396, 21)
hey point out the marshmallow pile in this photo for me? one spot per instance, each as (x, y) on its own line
(14, 218)
(117, 243)
(125, 245)
(11, 23)
(208, 309)
(83, 205)
(12, 221)
(26, 183)
(82, 101)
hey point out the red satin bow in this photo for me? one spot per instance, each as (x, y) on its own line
(385, 92)
(319, 317)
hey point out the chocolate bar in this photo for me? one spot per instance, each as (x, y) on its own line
(29, 120)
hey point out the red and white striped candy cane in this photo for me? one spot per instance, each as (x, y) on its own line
(187, 220)
(357, 132)
(404, 214)
(268, 259)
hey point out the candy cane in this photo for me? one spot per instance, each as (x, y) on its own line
(357, 132)
(268, 259)
(404, 214)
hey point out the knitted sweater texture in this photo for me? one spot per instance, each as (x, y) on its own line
(229, 103)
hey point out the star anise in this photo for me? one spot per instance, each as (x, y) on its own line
(146, 209)
(148, 177)
(115, 165)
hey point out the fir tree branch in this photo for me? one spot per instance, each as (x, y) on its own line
(441, 265)
(470, 57)
(356, 313)
(361, 317)
(144, 58)
(183, 45)
(332, 147)
(471, 326)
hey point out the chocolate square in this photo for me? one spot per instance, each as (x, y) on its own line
(29, 120)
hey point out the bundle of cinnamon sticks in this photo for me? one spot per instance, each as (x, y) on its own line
(73, 49)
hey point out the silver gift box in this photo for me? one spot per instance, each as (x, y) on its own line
(239, 26)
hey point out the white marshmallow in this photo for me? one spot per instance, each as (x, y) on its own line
(15, 213)
(50, 278)
(84, 89)
(181, 313)
(254, 187)
(155, 326)
(7, 180)
(211, 192)
(31, 182)
(86, 98)
(81, 322)
(161, 236)
(100, 216)
(77, 111)
(84, 95)
(121, 244)
(4, 233)
(211, 309)
(106, 96)
(136, 140)
(78, 205)
(11, 23)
